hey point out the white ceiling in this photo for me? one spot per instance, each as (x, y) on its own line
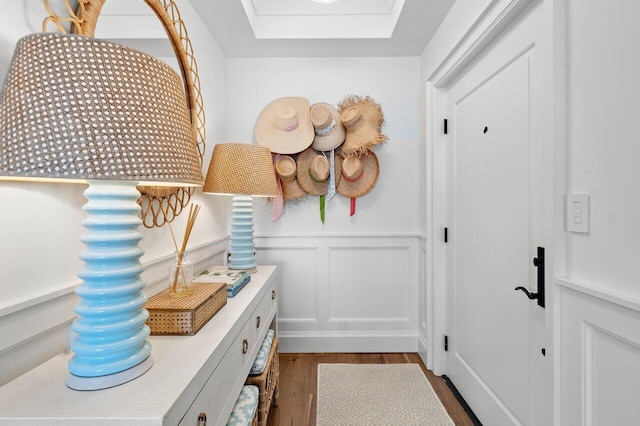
(286, 28)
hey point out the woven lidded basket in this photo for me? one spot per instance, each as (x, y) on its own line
(267, 384)
(186, 315)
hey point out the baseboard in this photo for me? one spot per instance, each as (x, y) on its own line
(422, 349)
(461, 401)
(347, 342)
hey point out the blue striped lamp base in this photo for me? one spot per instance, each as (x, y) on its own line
(111, 334)
(241, 247)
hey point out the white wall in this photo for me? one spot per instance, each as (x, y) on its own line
(599, 343)
(391, 207)
(603, 129)
(40, 223)
(353, 277)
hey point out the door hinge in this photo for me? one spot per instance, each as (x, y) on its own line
(446, 235)
(446, 343)
(445, 126)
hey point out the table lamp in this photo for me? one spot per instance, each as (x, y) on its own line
(242, 170)
(83, 110)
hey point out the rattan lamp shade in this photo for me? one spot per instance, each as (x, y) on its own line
(80, 108)
(241, 169)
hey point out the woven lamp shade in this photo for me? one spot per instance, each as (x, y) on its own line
(241, 169)
(80, 108)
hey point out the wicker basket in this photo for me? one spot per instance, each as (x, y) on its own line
(267, 383)
(186, 315)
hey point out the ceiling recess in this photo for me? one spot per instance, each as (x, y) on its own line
(300, 19)
(325, 1)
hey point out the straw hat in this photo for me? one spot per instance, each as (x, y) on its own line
(313, 171)
(359, 175)
(363, 120)
(286, 169)
(329, 131)
(284, 126)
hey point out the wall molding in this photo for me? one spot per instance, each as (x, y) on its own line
(330, 235)
(196, 254)
(598, 335)
(347, 341)
(601, 292)
(32, 322)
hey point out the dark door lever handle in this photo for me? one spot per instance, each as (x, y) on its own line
(529, 294)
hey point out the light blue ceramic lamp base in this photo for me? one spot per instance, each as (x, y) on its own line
(241, 248)
(110, 347)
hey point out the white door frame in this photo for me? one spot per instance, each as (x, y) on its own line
(496, 19)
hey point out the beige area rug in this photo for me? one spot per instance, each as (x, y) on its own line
(377, 395)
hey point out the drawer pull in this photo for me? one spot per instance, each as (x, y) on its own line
(202, 419)
(258, 322)
(245, 346)
(273, 295)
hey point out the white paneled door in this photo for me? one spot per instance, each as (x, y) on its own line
(495, 164)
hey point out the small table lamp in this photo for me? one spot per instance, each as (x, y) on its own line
(242, 170)
(83, 110)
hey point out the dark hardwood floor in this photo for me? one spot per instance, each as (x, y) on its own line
(297, 402)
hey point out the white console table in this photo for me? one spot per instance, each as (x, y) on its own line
(193, 377)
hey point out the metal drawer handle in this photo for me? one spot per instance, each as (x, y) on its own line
(273, 295)
(245, 346)
(202, 419)
(258, 322)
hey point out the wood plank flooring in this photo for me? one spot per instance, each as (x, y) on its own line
(298, 385)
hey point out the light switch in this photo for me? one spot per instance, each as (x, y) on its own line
(578, 212)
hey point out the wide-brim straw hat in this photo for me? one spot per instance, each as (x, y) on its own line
(362, 118)
(329, 130)
(311, 162)
(284, 126)
(362, 181)
(286, 171)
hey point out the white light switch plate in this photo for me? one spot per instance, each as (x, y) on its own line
(578, 213)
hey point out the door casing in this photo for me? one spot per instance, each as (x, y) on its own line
(499, 17)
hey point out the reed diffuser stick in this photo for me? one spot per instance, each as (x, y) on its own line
(191, 220)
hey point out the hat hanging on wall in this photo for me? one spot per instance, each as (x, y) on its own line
(329, 130)
(359, 176)
(284, 126)
(313, 172)
(286, 170)
(362, 117)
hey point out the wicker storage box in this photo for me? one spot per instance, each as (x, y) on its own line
(267, 383)
(185, 315)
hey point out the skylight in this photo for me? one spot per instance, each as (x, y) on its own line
(322, 19)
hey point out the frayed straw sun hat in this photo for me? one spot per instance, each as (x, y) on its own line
(362, 117)
(313, 171)
(286, 170)
(329, 131)
(284, 126)
(359, 175)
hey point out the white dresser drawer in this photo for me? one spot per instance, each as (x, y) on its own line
(261, 316)
(218, 395)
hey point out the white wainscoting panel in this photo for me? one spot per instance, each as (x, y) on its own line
(369, 284)
(424, 333)
(345, 293)
(297, 296)
(599, 356)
